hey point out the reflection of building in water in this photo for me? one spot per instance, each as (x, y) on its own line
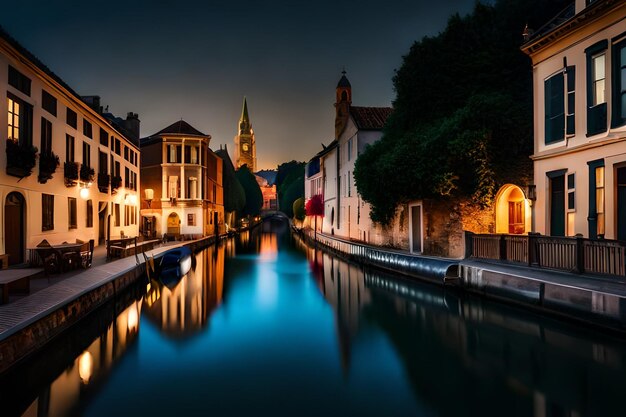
(63, 395)
(269, 246)
(344, 289)
(186, 308)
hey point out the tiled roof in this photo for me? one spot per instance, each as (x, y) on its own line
(180, 127)
(370, 118)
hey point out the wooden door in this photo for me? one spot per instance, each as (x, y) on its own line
(14, 228)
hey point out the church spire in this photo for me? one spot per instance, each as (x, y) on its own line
(244, 121)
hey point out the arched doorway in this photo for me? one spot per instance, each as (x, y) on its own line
(512, 210)
(173, 224)
(15, 227)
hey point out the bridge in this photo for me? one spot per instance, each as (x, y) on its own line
(273, 214)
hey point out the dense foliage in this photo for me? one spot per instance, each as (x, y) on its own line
(234, 195)
(462, 120)
(298, 209)
(291, 185)
(253, 194)
(315, 206)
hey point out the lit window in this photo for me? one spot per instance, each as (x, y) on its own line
(13, 119)
(600, 199)
(598, 79)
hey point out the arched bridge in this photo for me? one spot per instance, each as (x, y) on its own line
(273, 214)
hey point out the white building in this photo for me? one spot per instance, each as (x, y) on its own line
(98, 173)
(579, 72)
(345, 213)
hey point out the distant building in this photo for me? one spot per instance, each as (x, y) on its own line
(245, 143)
(270, 201)
(98, 173)
(182, 188)
(579, 88)
(330, 172)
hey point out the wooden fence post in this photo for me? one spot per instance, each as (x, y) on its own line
(580, 255)
(469, 242)
(502, 248)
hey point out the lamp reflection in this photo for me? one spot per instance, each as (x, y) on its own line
(185, 309)
(85, 366)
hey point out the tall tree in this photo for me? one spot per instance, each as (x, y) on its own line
(254, 196)
(462, 120)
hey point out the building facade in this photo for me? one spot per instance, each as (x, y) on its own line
(68, 172)
(245, 142)
(181, 190)
(579, 73)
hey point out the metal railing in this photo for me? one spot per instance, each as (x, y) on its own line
(572, 254)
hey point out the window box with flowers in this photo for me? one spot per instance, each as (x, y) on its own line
(71, 173)
(48, 163)
(21, 158)
(116, 182)
(103, 182)
(86, 173)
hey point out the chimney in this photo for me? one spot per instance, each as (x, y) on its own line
(132, 125)
(93, 102)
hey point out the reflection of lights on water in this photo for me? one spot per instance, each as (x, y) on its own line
(133, 317)
(269, 247)
(85, 367)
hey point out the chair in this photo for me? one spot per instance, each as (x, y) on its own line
(86, 253)
(49, 257)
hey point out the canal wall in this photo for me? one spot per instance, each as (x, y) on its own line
(45, 324)
(433, 269)
(597, 301)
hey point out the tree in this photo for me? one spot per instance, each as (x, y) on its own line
(254, 196)
(298, 209)
(462, 120)
(234, 194)
(315, 207)
(291, 186)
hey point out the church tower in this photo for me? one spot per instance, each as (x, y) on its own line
(342, 104)
(245, 144)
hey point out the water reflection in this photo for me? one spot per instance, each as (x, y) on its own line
(186, 308)
(489, 358)
(84, 374)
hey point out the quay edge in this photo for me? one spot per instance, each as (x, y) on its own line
(596, 301)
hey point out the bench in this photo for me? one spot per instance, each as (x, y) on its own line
(13, 284)
(4, 258)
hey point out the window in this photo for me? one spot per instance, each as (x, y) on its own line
(47, 212)
(89, 213)
(349, 182)
(191, 219)
(118, 170)
(570, 74)
(596, 88)
(126, 215)
(596, 216)
(46, 136)
(86, 154)
(19, 81)
(554, 101)
(102, 163)
(126, 177)
(126, 153)
(71, 215)
(349, 148)
(87, 129)
(571, 185)
(19, 120)
(117, 146)
(600, 199)
(104, 137)
(48, 102)
(71, 118)
(69, 148)
(619, 84)
(174, 154)
(116, 208)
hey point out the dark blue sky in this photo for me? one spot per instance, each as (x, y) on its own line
(197, 59)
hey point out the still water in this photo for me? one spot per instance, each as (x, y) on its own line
(263, 325)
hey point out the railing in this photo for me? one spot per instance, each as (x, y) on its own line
(572, 254)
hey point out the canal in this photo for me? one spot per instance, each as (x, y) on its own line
(263, 325)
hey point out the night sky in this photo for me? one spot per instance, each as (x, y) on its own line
(196, 60)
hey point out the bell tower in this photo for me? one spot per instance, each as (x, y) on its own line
(245, 143)
(343, 101)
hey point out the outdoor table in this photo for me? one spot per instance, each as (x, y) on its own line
(119, 242)
(58, 257)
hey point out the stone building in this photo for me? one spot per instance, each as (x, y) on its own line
(67, 171)
(579, 88)
(181, 190)
(245, 142)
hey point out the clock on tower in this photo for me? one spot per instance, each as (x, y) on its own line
(245, 147)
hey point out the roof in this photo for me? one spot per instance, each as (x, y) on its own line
(370, 118)
(343, 82)
(244, 111)
(180, 127)
(567, 21)
(41, 66)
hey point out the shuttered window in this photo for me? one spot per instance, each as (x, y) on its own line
(554, 108)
